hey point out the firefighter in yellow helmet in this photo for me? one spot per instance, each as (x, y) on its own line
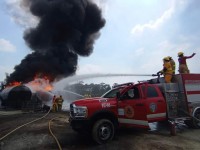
(173, 64)
(167, 70)
(182, 62)
(60, 103)
(54, 104)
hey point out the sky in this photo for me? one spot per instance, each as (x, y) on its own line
(137, 35)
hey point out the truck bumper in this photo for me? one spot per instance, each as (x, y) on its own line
(79, 124)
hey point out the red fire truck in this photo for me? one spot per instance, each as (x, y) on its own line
(137, 105)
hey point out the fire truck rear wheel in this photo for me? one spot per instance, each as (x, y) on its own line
(103, 131)
(197, 120)
(189, 123)
(194, 123)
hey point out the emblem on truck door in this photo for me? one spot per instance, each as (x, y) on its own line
(153, 107)
(129, 111)
(121, 111)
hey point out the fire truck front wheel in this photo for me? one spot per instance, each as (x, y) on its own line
(103, 131)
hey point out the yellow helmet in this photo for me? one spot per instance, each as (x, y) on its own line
(180, 53)
(169, 57)
(166, 58)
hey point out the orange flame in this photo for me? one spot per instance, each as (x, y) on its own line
(48, 88)
(40, 83)
(14, 83)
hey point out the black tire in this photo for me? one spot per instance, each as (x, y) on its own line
(189, 123)
(103, 131)
(195, 122)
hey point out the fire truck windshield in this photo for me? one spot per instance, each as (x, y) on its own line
(112, 93)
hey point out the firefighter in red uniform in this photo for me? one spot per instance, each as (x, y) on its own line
(167, 70)
(182, 62)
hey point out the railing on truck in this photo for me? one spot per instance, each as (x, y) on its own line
(177, 105)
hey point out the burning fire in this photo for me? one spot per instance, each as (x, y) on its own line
(40, 84)
(15, 83)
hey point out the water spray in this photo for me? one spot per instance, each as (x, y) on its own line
(89, 76)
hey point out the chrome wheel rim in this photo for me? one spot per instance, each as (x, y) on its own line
(105, 132)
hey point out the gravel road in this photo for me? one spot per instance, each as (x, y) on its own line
(37, 135)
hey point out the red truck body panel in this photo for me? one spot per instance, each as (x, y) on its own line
(139, 104)
(98, 103)
(192, 87)
(131, 112)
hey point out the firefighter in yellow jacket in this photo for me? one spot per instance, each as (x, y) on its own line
(167, 70)
(60, 103)
(54, 104)
(173, 64)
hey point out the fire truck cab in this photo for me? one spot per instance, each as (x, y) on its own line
(136, 105)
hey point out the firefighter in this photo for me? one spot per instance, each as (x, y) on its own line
(60, 103)
(167, 70)
(182, 62)
(173, 64)
(55, 104)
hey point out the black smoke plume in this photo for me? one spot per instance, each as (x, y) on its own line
(66, 29)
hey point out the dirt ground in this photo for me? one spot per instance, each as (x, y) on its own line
(37, 135)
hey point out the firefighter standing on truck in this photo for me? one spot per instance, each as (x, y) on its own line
(173, 64)
(60, 103)
(167, 70)
(182, 62)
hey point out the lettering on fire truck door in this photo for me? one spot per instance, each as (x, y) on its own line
(132, 110)
(155, 104)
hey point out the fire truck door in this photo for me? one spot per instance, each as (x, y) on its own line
(155, 104)
(132, 109)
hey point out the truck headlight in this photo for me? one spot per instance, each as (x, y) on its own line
(79, 111)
